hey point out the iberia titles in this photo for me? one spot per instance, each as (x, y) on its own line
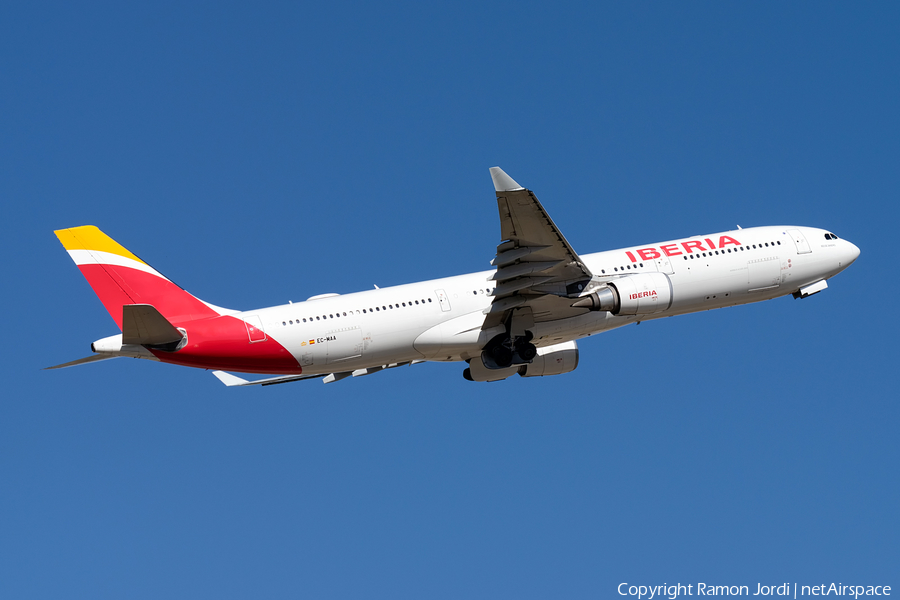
(673, 249)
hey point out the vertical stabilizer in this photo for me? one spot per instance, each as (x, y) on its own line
(119, 278)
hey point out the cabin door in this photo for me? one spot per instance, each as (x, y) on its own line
(799, 241)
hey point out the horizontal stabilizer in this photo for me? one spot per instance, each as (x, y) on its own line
(142, 324)
(82, 361)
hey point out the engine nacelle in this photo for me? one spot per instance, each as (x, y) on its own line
(642, 294)
(552, 360)
(478, 372)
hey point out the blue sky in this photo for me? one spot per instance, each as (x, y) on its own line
(265, 153)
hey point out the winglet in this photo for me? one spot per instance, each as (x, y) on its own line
(503, 182)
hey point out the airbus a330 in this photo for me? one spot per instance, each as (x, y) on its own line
(522, 317)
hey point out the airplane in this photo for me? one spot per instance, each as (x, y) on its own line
(524, 316)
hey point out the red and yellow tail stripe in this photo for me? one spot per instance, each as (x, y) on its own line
(119, 277)
(87, 245)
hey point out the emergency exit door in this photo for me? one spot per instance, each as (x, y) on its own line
(443, 300)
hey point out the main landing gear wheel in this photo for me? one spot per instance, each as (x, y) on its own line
(503, 351)
(526, 351)
(502, 355)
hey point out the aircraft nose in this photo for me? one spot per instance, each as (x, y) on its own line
(851, 252)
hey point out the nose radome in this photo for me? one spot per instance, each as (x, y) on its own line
(852, 252)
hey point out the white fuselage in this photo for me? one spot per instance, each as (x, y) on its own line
(441, 319)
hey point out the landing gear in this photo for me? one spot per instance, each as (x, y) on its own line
(504, 351)
(502, 354)
(526, 351)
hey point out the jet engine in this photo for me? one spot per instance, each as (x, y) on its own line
(551, 360)
(642, 294)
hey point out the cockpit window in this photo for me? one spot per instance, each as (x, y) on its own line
(830, 236)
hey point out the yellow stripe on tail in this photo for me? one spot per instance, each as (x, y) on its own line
(89, 237)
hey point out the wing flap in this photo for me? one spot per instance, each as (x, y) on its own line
(523, 268)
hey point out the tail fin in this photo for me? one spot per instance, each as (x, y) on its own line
(118, 277)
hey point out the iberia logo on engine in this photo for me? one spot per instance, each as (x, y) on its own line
(640, 295)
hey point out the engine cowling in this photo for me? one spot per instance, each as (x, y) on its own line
(642, 294)
(478, 372)
(552, 360)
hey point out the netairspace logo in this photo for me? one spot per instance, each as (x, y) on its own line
(649, 592)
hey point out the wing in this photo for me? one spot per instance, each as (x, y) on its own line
(538, 271)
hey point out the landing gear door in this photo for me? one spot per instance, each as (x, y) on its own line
(443, 299)
(799, 241)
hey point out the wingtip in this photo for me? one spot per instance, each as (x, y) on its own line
(503, 182)
(228, 379)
